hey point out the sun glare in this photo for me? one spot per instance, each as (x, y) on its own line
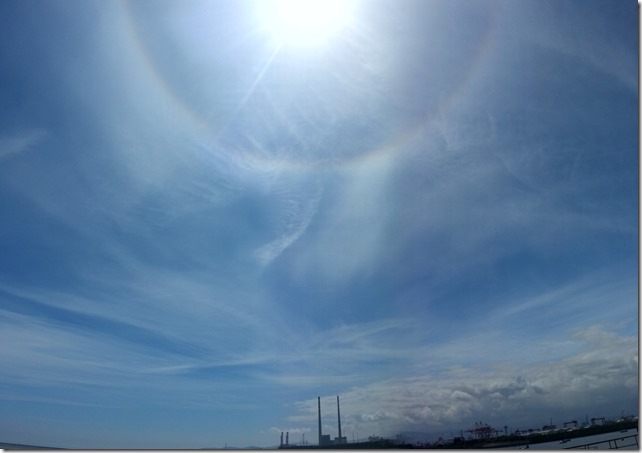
(307, 22)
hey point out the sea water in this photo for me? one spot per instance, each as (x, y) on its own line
(623, 440)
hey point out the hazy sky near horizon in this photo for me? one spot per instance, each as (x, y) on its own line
(207, 222)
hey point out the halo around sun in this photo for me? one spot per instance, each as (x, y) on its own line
(306, 22)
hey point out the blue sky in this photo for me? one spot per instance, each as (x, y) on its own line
(206, 223)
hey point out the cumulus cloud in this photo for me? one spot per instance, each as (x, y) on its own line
(601, 377)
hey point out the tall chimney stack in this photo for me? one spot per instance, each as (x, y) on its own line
(339, 417)
(319, 400)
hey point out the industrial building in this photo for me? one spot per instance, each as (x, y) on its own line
(324, 439)
(341, 441)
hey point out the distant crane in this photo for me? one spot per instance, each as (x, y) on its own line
(594, 419)
(482, 431)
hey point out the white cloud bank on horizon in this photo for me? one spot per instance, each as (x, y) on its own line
(601, 377)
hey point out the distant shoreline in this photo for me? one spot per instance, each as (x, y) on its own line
(9, 446)
(539, 438)
(496, 442)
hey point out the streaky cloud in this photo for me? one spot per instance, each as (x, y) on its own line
(298, 213)
(17, 143)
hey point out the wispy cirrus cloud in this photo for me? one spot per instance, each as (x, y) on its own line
(434, 238)
(583, 296)
(350, 228)
(102, 369)
(301, 204)
(20, 142)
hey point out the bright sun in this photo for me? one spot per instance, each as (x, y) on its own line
(307, 22)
